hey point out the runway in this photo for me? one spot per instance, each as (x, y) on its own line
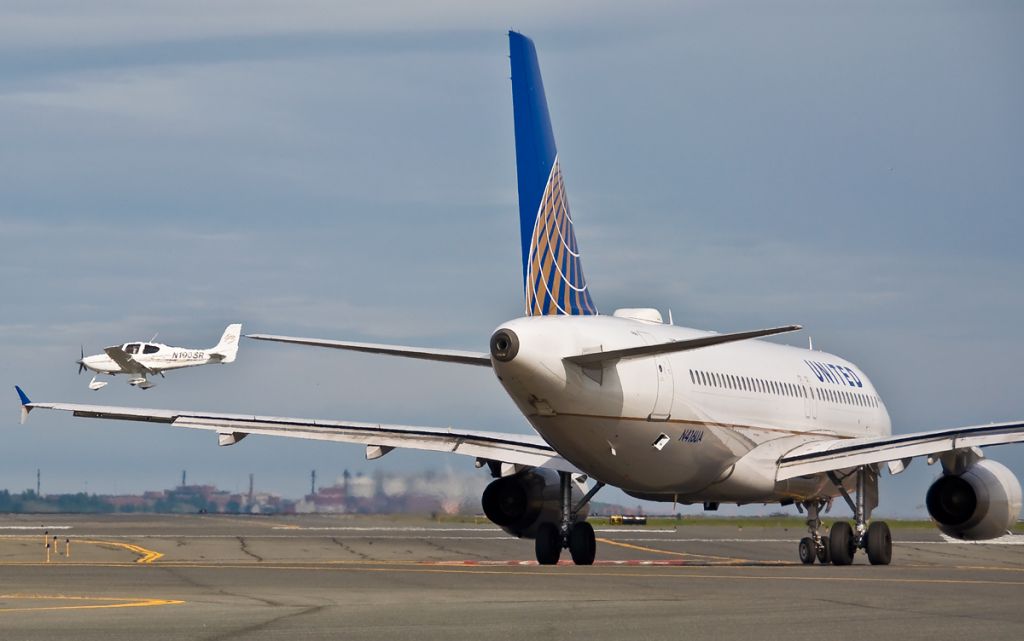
(215, 577)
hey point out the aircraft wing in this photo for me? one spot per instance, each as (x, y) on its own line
(446, 355)
(125, 361)
(517, 449)
(837, 454)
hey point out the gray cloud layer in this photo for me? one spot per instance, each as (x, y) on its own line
(336, 170)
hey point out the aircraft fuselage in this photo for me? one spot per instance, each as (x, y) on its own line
(698, 423)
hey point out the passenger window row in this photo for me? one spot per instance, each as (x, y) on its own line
(846, 398)
(779, 388)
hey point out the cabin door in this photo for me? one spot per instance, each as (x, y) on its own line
(662, 409)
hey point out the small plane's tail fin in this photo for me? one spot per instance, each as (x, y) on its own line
(552, 273)
(227, 348)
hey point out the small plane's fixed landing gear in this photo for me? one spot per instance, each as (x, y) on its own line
(875, 539)
(576, 535)
(814, 546)
(141, 382)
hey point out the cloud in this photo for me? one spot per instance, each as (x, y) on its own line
(348, 171)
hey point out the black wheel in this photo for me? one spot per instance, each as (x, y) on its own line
(841, 543)
(879, 543)
(582, 544)
(806, 550)
(824, 551)
(548, 544)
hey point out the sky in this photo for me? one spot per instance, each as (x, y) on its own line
(346, 170)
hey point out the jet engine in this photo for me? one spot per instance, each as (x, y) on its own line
(521, 502)
(981, 503)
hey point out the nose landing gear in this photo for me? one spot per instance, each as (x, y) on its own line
(815, 546)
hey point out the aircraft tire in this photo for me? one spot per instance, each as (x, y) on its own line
(548, 544)
(806, 549)
(879, 543)
(841, 543)
(582, 543)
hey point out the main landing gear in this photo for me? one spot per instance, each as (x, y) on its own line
(843, 541)
(578, 536)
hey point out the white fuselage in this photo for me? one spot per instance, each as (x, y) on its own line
(154, 356)
(700, 425)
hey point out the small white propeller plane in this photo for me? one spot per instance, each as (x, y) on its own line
(666, 413)
(140, 359)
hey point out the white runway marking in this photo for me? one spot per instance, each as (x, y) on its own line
(34, 527)
(1008, 539)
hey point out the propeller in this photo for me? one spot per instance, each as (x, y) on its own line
(81, 361)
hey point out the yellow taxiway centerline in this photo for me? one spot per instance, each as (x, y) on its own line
(111, 602)
(145, 555)
(716, 560)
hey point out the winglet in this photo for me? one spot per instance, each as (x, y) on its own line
(26, 404)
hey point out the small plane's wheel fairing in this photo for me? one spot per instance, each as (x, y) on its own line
(879, 543)
(548, 544)
(824, 551)
(582, 544)
(841, 543)
(806, 550)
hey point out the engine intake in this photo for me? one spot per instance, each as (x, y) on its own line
(982, 503)
(521, 502)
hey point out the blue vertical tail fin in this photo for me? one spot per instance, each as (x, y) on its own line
(552, 273)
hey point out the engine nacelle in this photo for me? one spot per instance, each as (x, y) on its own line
(519, 503)
(982, 503)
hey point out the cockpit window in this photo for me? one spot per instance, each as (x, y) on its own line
(133, 348)
(150, 349)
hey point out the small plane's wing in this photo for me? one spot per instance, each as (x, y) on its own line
(446, 355)
(517, 449)
(837, 454)
(596, 358)
(125, 361)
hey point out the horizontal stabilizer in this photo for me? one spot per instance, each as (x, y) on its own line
(445, 355)
(597, 358)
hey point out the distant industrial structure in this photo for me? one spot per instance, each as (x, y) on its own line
(430, 492)
(425, 493)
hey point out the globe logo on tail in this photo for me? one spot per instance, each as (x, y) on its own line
(554, 276)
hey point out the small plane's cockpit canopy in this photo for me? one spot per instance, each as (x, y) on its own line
(131, 348)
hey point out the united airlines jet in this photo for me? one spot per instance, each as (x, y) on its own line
(663, 412)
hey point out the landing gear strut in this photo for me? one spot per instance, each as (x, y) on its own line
(576, 535)
(875, 539)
